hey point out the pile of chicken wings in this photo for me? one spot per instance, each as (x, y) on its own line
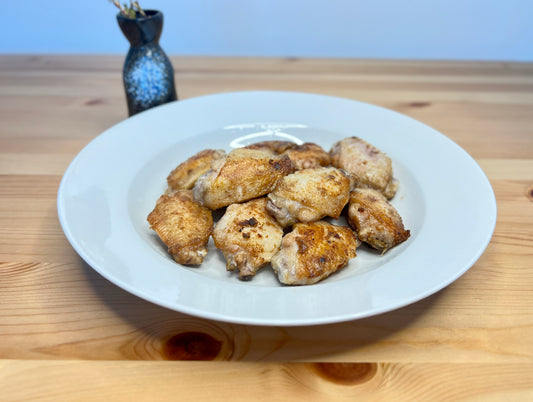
(278, 200)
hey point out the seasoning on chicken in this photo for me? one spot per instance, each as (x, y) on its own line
(307, 156)
(248, 237)
(312, 252)
(183, 225)
(186, 173)
(303, 156)
(243, 174)
(375, 219)
(309, 195)
(274, 147)
(369, 167)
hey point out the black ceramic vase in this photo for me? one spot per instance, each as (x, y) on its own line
(148, 74)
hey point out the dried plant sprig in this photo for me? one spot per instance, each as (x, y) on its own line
(131, 10)
(138, 8)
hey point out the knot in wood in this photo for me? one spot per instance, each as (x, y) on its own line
(191, 346)
(529, 193)
(346, 373)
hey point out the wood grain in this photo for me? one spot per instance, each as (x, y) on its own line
(60, 319)
(66, 380)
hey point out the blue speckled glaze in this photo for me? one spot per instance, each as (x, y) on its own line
(148, 74)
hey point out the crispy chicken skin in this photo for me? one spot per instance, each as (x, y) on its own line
(369, 167)
(185, 174)
(312, 252)
(273, 147)
(309, 195)
(242, 175)
(248, 237)
(307, 156)
(183, 225)
(303, 156)
(375, 220)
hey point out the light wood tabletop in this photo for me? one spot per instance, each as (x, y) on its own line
(66, 333)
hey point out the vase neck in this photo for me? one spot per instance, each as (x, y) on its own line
(142, 30)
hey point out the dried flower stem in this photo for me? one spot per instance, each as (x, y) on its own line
(138, 7)
(131, 10)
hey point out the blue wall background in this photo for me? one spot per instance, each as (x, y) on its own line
(419, 29)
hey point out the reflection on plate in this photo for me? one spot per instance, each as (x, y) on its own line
(112, 185)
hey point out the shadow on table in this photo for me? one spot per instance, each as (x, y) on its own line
(158, 333)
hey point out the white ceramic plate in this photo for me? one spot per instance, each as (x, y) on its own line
(108, 190)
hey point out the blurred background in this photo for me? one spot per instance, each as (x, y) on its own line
(497, 30)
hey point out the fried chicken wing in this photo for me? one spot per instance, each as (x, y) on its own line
(375, 220)
(309, 195)
(308, 155)
(241, 175)
(273, 147)
(369, 167)
(183, 225)
(185, 174)
(312, 252)
(303, 156)
(248, 237)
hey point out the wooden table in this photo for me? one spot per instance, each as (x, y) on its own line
(66, 333)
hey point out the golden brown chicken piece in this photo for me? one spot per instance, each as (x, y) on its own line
(183, 225)
(248, 237)
(303, 156)
(375, 220)
(369, 167)
(307, 156)
(241, 175)
(309, 195)
(185, 174)
(312, 252)
(273, 147)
